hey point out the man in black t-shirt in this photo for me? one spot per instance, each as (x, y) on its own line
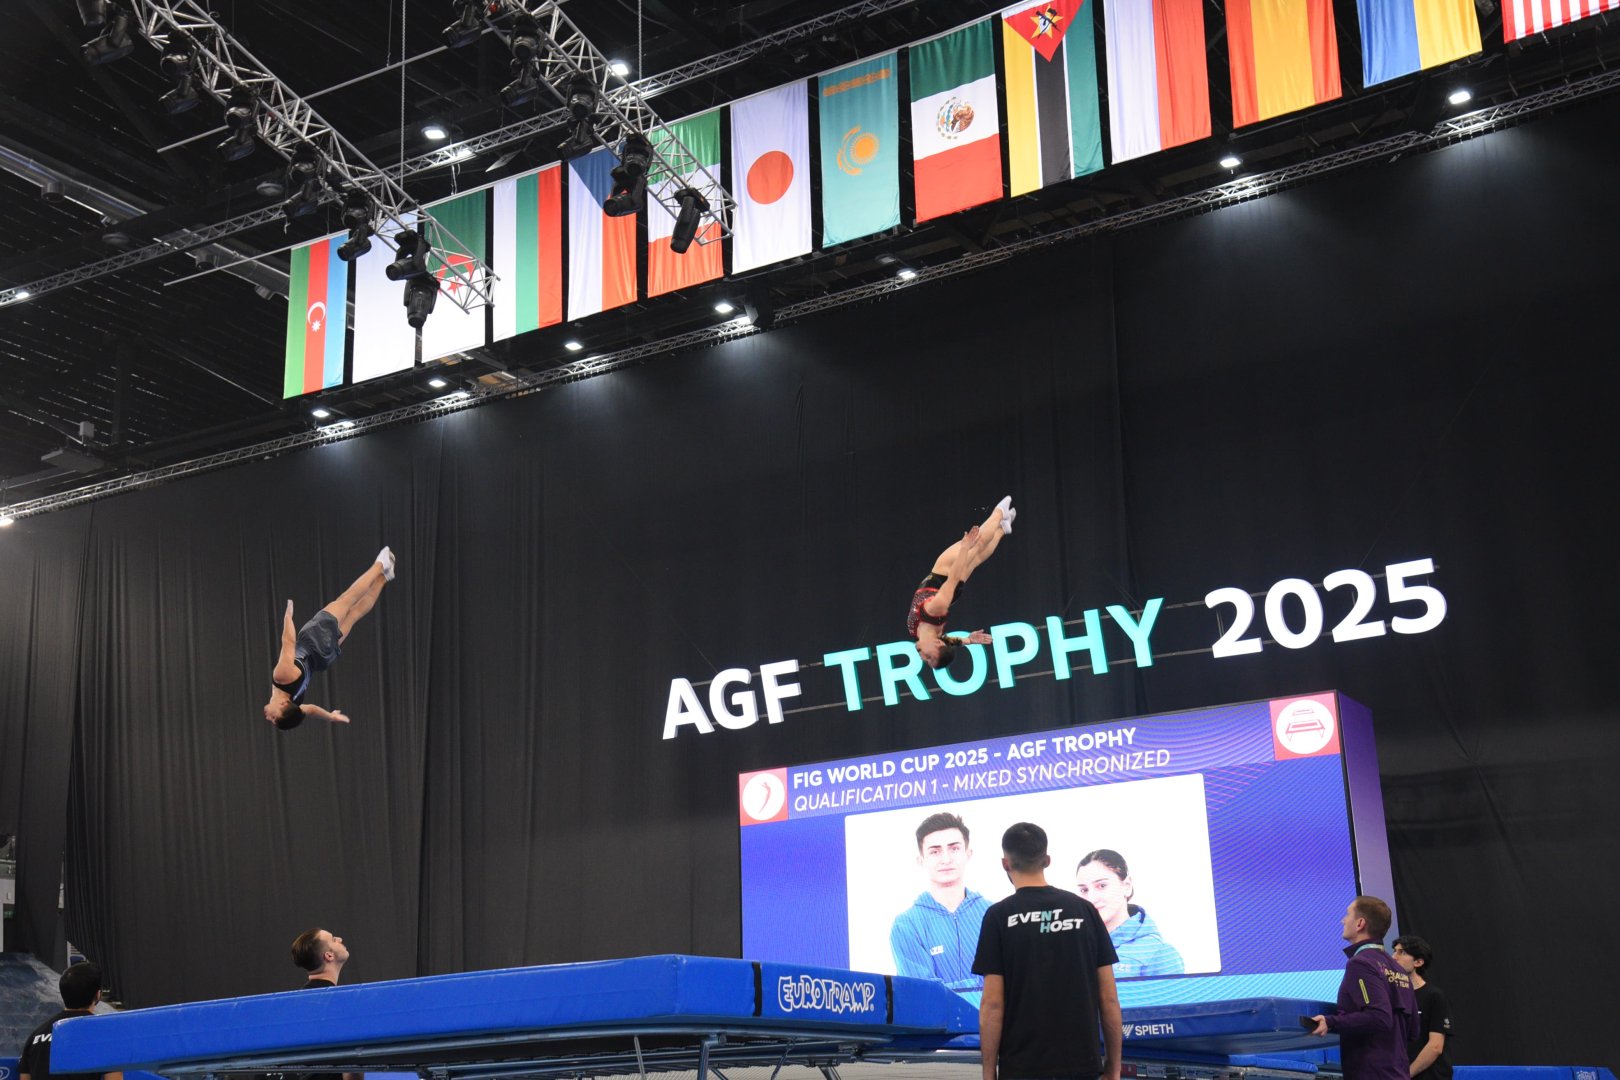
(1428, 1050)
(322, 954)
(1047, 963)
(81, 990)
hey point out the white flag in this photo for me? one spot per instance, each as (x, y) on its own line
(770, 169)
(383, 341)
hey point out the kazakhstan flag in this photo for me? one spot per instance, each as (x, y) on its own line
(860, 149)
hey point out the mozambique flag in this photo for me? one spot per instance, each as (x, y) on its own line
(1054, 125)
(1285, 57)
(703, 261)
(317, 323)
(860, 149)
(528, 252)
(1399, 37)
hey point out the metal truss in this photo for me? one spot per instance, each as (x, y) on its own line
(287, 123)
(1242, 189)
(567, 56)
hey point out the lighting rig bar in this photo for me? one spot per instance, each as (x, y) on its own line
(288, 124)
(518, 131)
(567, 56)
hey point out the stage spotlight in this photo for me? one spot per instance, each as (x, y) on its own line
(7, 521)
(581, 140)
(435, 132)
(1231, 161)
(93, 13)
(241, 116)
(357, 215)
(304, 181)
(421, 293)
(630, 178)
(582, 97)
(693, 207)
(468, 26)
(437, 383)
(619, 68)
(724, 307)
(525, 40)
(411, 250)
(1460, 96)
(177, 64)
(52, 191)
(115, 41)
(572, 346)
(905, 273)
(319, 413)
(524, 85)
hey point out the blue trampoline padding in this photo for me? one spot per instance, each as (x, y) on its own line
(619, 994)
(1531, 1072)
(1245, 1026)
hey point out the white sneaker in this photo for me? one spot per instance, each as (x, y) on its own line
(385, 557)
(1005, 504)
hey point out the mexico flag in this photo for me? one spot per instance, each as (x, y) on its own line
(601, 249)
(450, 329)
(770, 174)
(1054, 124)
(317, 318)
(528, 252)
(703, 261)
(955, 132)
(1158, 75)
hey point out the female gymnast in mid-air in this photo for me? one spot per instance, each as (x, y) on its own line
(317, 644)
(925, 621)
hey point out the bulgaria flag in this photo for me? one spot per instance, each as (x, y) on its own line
(1054, 124)
(1158, 77)
(601, 249)
(1523, 17)
(770, 174)
(383, 341)
(527, 254)
(955, 131)
(450, 329)
(704, 260)
(317, 318)
(1285, 57)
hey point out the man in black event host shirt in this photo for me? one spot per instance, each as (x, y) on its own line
(81, 989)
(1048, 973)
(1428, 1050)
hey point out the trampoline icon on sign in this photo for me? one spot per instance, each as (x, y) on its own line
(762, 797)
(1304, 727)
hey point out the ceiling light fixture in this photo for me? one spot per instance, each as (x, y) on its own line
(724, 307)
(467, 28)
(7, 521)
(115, 41)
(693, 207)
(241, 116)
(436, 132)
(1461, 96)
(905, 273)
(619, 68)
(572, 346)
(437, 383)
(320, 413)
(1231, 161)
(630, 188)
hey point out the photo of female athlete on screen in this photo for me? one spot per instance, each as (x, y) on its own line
(1104, 878)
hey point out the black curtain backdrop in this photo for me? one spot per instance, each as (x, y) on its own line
(1416, 359)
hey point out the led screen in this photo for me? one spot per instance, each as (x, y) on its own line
(1243, 832)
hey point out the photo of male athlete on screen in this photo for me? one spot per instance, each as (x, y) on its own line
(935, 938)
(1104, 879)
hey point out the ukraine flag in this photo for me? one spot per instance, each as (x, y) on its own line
(1399, 37)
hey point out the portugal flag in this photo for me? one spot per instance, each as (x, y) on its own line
(955, 132)
(317, 323)
(704, 260)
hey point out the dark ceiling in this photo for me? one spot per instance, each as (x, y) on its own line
(169, 370)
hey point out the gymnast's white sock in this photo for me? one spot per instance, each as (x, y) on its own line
(1007, 516)
(386, 558)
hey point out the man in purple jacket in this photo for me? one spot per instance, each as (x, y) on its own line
(1378, 1013)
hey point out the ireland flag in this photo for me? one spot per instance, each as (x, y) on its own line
(667, 271)
(955, 130)
(860, 149)
(317, 323)
(528, 252)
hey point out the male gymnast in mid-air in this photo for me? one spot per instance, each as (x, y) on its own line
(925, 620)
(317, 644)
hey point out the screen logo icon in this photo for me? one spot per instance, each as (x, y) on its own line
(1304, 727)
(762, 797)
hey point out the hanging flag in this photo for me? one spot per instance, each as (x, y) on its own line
(955, 130)
(527, 252)
(1285, 57)
(450, 329)
(704, 260)
(383, 341)
(1158, 79)
(1054, 124)
(601, 249)
(317, 318)
(1523, 17)
(1399, 37)
(770, 176)
(860, 149)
